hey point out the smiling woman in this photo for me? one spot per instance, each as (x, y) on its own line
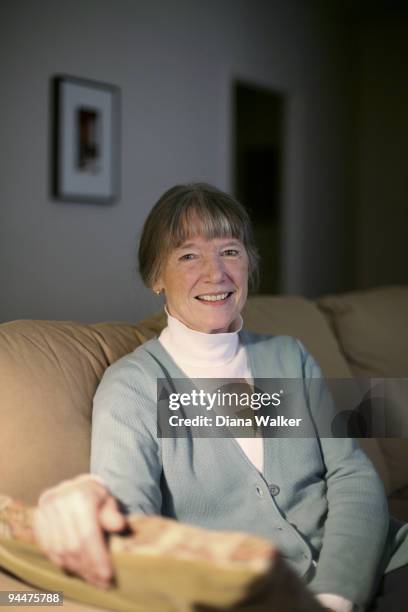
(208, 256)
(205, 283)
(319, 499)
(188, 211)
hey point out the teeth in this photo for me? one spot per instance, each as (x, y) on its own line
(213, 298)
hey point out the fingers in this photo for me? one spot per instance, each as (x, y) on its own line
(91, 552)
(46, 536)
(110, 517)
(69, 524)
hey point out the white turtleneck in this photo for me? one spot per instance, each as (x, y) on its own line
(202, 355)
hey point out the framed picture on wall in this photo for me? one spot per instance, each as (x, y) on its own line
(85, 156)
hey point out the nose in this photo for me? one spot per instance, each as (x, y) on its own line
(214, 269)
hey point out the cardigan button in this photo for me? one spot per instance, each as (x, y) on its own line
(274, 489)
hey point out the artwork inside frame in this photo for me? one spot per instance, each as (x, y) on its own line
(85, 156)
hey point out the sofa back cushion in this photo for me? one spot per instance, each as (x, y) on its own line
(372, 331)
(298, 317)
(48, 375)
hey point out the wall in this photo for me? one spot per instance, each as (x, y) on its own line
(381, 171)
(174, 63)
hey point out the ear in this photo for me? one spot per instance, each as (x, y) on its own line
(157, 283)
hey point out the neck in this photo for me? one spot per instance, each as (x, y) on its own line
(197, 347)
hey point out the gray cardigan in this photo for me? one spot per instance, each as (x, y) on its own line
(319, 499)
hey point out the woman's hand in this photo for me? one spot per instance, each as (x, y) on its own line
(69, 526)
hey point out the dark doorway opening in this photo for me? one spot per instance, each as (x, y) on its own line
(258, 170)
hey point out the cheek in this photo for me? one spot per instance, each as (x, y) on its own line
(243, 297)
(243, 276)
(241, 280)
(181, 287)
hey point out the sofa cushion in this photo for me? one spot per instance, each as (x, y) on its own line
(298, 317)
(48, 375)
(372, 330)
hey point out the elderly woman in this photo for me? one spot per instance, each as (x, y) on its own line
(319, 500)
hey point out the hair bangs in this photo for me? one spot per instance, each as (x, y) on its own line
(205, 220)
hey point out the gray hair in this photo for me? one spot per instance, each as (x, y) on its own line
(187, 210)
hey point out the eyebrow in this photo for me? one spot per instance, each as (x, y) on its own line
(189, 245)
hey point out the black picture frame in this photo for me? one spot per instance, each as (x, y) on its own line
(85, 140)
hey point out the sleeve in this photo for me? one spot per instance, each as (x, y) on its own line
(335, 602)
(356, 526)
(125, 450)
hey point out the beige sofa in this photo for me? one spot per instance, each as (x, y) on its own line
(49, 372)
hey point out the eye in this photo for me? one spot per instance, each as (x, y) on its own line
(187, 257)
(231, 252)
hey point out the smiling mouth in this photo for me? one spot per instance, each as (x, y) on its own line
(214, 297)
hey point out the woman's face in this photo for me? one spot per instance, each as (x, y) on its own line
(206, 283)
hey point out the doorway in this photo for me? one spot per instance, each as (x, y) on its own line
(258, 116)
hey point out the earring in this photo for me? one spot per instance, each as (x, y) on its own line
(158, 291)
